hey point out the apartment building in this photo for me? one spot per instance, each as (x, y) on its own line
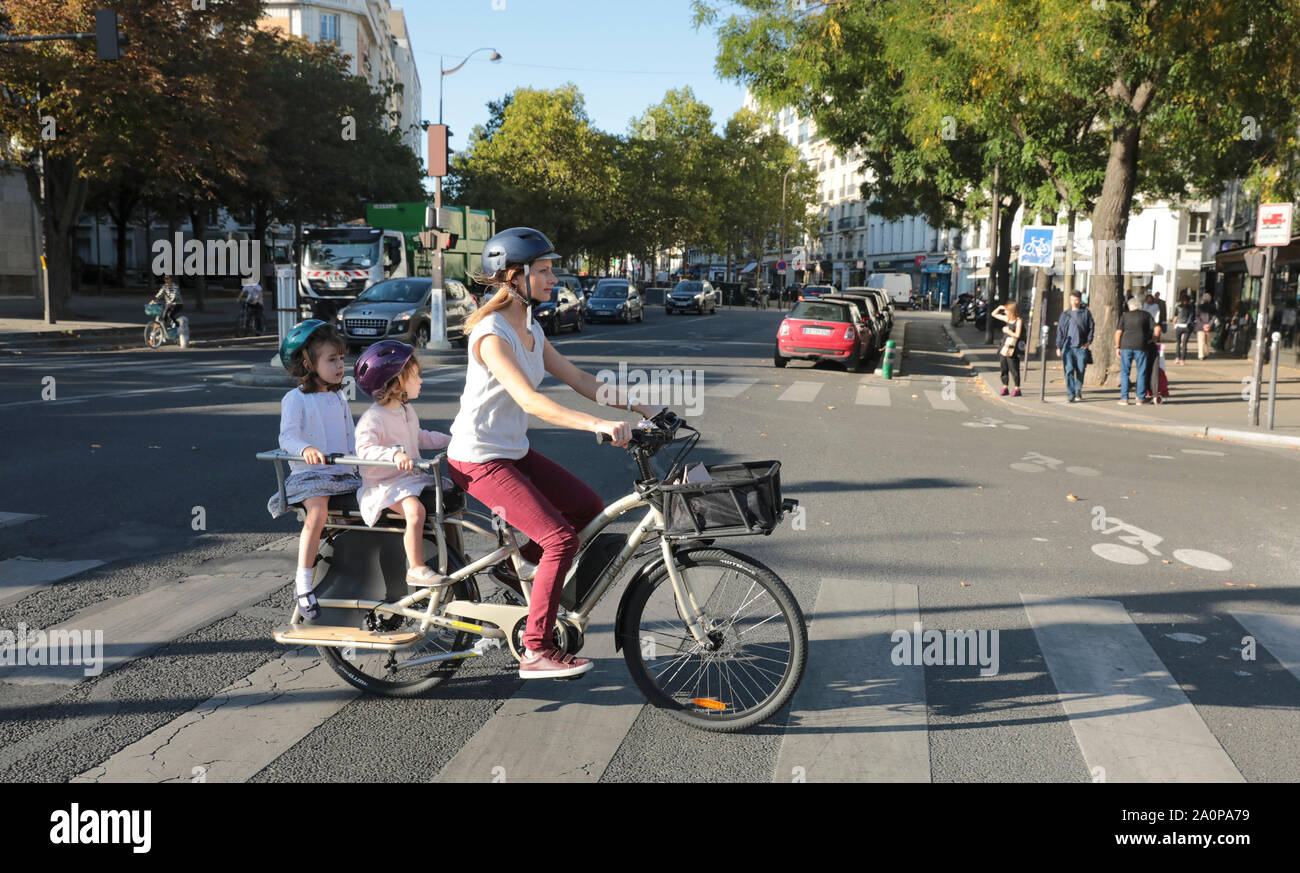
(374, 37)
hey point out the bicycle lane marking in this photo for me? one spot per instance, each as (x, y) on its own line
(1129, 716)
(552, 731)
(279, 704)
(857, 717)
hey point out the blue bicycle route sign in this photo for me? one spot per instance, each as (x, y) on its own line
(1037, 246)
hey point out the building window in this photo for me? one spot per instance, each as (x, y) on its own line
(1198, 224)
(329, 28)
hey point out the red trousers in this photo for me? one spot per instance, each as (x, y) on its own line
(550, 505)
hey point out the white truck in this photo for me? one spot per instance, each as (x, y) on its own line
(899, 286)
(338, 263)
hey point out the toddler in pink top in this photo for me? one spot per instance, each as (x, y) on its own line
(390, 431)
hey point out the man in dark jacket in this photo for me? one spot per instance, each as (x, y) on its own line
(1073, 339)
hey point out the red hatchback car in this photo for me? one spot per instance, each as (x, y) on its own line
(824, 330)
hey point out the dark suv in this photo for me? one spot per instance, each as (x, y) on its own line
(691, 296)
(399, 309)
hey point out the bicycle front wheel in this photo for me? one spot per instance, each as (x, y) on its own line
(155, 335)
(758, 648)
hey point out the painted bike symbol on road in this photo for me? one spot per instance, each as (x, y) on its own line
(1136, 536)
(1033, 462)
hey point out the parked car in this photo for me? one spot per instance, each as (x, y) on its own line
(898, 286)
(882, 305)
(691, 296)
(399, 309)
(824, 330)
(574, 284)
(869, 309)
(808, 292)
(616, 300)
(560, 312)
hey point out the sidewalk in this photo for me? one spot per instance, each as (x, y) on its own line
(1205, 397)
(111, 319)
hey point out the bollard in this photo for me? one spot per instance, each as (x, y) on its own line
(183, 331)
(1272, 380)
(887, 363)
(1042, 358)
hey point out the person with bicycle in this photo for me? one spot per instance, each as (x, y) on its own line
(169, 295)
(489, 455)
(250, 300)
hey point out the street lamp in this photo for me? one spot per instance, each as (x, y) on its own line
(438, 341)
(780, 297)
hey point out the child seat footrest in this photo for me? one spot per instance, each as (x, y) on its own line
(342, 637)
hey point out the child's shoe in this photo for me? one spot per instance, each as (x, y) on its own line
(425, 576)
(308, 608)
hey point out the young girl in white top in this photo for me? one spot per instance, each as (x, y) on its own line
(314, 422)
(390, 431)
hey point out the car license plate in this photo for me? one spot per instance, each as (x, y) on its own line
(366, 331)
(334, 284)
(818, 331)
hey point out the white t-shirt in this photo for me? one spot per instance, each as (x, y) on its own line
(490, 423)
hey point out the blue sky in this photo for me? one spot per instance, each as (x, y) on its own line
(622, 54)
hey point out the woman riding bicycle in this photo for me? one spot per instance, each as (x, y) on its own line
(489, 455)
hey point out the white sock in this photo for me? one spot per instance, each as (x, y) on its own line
(302, 582)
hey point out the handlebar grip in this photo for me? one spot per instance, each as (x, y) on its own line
(602, 438)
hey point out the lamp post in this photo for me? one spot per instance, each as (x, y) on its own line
(439, 341)
(780, 295)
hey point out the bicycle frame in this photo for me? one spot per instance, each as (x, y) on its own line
(502, 615)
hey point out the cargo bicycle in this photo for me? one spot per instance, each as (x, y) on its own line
(710, 635)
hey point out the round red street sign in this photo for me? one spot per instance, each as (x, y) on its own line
(781, 265)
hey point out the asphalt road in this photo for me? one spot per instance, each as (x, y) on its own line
(1142, 587)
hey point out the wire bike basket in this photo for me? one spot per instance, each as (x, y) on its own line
(739, 500)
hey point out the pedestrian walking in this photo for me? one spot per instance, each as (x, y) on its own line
(1205, 314)
(1012, 344)
(1074, 334)
(1184, 320)
(1154, 309)
(1133, 336)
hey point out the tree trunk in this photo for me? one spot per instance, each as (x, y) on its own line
(1008, 218)
(1109, 226)
(199, 226)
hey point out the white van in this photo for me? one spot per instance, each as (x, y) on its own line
(898, 286)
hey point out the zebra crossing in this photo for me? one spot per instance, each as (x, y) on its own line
(870, 392)
(859, 715)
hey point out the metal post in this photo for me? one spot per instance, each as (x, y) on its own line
(1265, 298)
(995, 246)
(1272, 380)
(1042, 362)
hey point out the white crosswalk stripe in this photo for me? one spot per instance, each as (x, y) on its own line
(1129, 716)
(873, 395)
(21, 576)
(63, 401)
(801, 392)
(11, 519)
(857, 717)
(1278, 633)
(947, 404)
(730, 388)
(556, 731)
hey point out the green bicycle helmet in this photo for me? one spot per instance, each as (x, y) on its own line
(297, 338)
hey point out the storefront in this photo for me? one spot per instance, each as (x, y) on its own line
(1237, 295)
(936, 284)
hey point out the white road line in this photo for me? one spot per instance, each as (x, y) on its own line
(801, 392)
(730, 388)
(279, 704)
(553, 731)
(106, 395)
(9, 519)
(1128, 714)
(873, 395)
(952, 404)
(1279, 633)
(858, 717)
(21, 576)
(134, 626)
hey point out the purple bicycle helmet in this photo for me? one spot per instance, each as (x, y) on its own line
(381, 362)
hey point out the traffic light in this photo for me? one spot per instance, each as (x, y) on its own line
(106, 38)
(449, 241)
(437, 150)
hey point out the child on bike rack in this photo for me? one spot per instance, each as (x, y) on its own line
(314, 421)
(390, 431)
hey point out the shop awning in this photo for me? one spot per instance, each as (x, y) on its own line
(752, 266)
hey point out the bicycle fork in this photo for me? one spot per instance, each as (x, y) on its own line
(685, 598)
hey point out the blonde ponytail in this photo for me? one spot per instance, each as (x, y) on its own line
(500, 300)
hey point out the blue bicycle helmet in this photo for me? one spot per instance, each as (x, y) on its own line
(297, 338)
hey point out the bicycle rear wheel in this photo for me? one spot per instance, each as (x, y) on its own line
(760, 642)
(155, 335)
(382, 673)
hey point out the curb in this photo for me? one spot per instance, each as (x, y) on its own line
(1194, 431)
(107, 338)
